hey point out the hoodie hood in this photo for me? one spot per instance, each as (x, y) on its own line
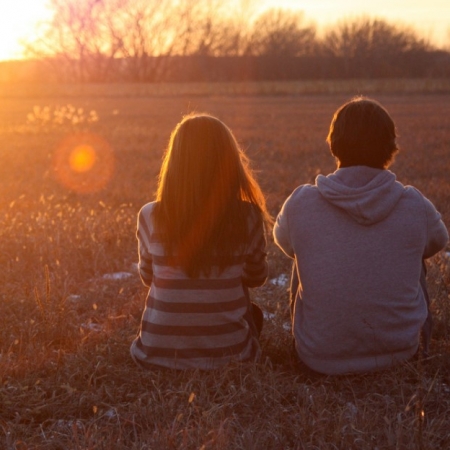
(368, 195)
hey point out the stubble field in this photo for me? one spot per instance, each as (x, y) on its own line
(71, 299)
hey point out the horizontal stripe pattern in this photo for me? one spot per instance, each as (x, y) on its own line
(189, 353)
(196, 323)
(197, 330)
(193, 307)
(163, 260)
(192, 284)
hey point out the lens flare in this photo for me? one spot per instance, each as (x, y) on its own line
(82, 158)
(83, 163)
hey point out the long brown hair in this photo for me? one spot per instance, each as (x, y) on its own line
(203, 197)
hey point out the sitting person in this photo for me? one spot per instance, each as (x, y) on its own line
(358, 238)
(201, 246)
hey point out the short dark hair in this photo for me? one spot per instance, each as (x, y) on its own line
(362, 133)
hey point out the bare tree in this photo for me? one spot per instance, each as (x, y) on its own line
(212, 28)
(154, 40)
(372, 47)
(96, 40)
(148, 36)
(282, 33)
(80, 41)
(239, 29)
(153, 32)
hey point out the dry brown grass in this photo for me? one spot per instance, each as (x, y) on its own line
(303, 87)
(66, 378)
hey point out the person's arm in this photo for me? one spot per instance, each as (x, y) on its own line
(282, 239)
(145, 265)
(256, 268)
(437, 233)
(281, 231)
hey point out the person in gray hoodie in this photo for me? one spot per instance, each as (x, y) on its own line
(358, 238)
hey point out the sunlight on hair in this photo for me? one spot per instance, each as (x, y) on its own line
(83, 162)
(82, 158)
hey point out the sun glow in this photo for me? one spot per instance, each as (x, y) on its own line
(82, 158)
(18, 21)
(84, 162)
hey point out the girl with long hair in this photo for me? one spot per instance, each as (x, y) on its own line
(201, 246)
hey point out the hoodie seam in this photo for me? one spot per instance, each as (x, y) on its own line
(365, 206)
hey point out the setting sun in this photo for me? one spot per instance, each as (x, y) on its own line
(19, 19)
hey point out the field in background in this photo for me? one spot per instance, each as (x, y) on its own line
(353, 87)
(70, 297)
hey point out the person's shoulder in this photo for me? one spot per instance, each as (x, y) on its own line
(416, 199)
(148, 207)
(303, 191)
(146, 211)
(412, 193)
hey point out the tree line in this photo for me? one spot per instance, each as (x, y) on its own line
(218, 40)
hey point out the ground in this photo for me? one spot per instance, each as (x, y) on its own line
(71, 299)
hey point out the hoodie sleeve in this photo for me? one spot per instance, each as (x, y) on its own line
(437, 234)
(281, 230)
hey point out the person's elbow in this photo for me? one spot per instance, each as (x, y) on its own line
(282, 239)
(438, 243)
(256, 276)
(146, 275)
(283, 243)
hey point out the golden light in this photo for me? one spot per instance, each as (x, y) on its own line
(83, 162)
(19, 20)
(82, 158)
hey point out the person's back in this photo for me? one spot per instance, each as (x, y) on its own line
(201, 246)
(359, 237)
(200, 322)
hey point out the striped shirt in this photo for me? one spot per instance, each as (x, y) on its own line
(197, 322)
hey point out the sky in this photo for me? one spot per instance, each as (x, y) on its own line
(431, 18)
(17, 21)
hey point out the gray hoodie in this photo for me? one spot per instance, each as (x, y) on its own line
(358, 237)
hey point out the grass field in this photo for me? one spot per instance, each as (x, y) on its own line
(71, 299)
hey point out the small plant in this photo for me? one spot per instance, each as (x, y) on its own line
(60, 116)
